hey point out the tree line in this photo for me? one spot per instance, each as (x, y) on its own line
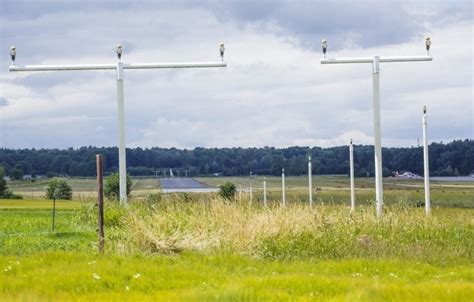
(446, 159)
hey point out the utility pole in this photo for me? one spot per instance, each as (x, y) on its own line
(119, 67)
(351, 163)
(426, 164)
(283, 193)
(240, 194)
(250, 188)
(310, 183)
(265, 191)
(375, 61)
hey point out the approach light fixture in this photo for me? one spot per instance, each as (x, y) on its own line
(428, 44)
(375, 61)
(119, 51)
(119, 67)
(222, 49)
(13, 53)
(324, 45)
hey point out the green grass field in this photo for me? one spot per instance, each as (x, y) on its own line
(333, 189)
(196, 247)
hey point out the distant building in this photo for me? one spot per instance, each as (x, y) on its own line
(407, 175)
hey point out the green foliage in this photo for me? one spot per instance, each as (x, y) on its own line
(154, 198)
(51, 174)
(16, 174)
(191, 277)
(5, 192)
(87, 214)
(112, 186)
(3, 183)
(234, 252)
(58, 189)
(227, 190)
(454, 158)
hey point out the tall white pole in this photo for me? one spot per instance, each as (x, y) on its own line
(118, 67)
(283, 193)
(240, 193)
(375, 61)
(378, 136)
(351, 162)
(426, 164)
(265, 191)
(250, 194)
(310, 183)
(121, 128)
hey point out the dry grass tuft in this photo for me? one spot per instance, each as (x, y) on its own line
(211, 225)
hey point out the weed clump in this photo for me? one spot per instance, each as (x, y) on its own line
(212, 225)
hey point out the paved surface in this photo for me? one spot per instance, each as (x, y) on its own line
(184, 185)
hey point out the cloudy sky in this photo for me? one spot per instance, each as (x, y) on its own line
(273, 92)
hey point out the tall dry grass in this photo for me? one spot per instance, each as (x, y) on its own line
(212, 225)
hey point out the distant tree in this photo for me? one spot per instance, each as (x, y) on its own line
(227, 190)
(58, 189)
(3, 183)
(16, 174)
(51, 174)
(458, 154)
(112, 186)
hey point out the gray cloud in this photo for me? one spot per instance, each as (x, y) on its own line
(273, 92)
(3, 102)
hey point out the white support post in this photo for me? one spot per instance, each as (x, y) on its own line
(240, 193)
(265, 191)
(351, 163)
(121, 130)
(375, 61)
(250, 194)
(283, 188)
(426, 164)
(119, 67)
(310, 183)
(377, 136)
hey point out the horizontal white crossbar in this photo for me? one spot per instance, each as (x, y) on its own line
(371, 59)
(114, 66)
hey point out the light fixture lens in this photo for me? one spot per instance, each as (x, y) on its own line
(221, 50)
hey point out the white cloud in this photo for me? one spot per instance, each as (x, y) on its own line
(273, 92)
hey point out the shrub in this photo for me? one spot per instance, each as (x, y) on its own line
(87, 214)
(58, 189)
(227, 190)
(112, 186)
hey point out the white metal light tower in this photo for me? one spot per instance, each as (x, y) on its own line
(310, 183)
(119, 68)
(250, 189)
(283, 189)
(265, 191)
(375, 61)
(426, 164)
(351, 163)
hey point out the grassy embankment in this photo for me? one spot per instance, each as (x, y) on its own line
(208, 249)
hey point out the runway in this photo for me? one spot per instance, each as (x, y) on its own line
(170, 185)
